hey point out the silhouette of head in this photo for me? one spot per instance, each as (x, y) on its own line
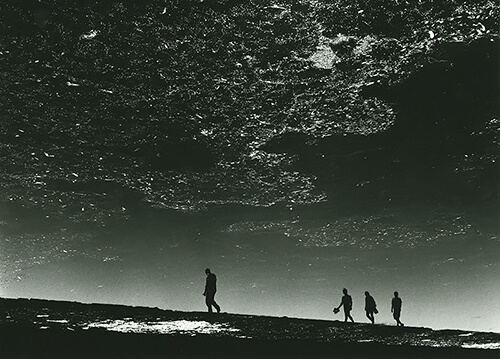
(396, 294)
(207, 271)
(344, 291)
(367, 293)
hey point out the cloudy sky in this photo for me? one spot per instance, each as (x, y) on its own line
(293, 149)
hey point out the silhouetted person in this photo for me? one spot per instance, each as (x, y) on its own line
(396, 308)
(210, 290)
(346, 302)
(370, 307)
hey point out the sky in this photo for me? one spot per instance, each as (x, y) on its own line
(294, 156)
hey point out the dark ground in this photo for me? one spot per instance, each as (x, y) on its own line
(22, 336)
(25, 343)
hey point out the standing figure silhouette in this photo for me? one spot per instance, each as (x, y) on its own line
(370, 307)
(346, 302)
(396, 309)
(210, 290)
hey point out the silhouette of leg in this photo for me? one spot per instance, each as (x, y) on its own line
(217, 307)
(208, 302)
(349, 316)
(396, 317)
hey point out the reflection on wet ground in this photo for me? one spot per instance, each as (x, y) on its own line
(192, 327)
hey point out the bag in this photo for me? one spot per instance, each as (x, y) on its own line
(336, 310)
(375, 311)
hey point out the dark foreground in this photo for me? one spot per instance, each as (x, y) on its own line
(47, 329)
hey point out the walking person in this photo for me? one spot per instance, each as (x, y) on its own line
(210, 290)
(396, 309)
(370, 307)
(346, 302)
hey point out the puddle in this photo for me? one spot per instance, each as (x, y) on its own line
(169, 327)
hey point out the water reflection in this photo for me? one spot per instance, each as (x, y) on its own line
(482, 346)
(167, 327)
